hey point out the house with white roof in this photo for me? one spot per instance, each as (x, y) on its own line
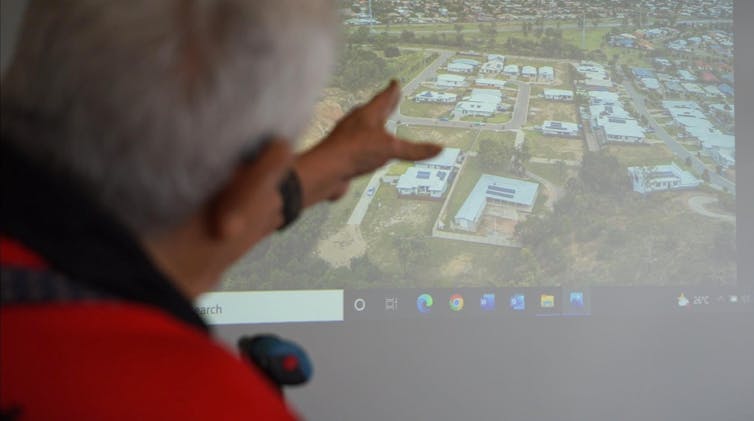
(529, 71)
(591, 84)
(560, 128)
(511, 70)
(650, 83)
(460, 67)
(423, 182)
(592, 70)
(469, 61)
(486, 95)
(603, 97)
(622, 130)
(492, 189)
(558, 95)
(661, 178)
(712, 90)
(686, 76)
(445, 160)
(726, 158)
(693, 88)
(546, 73)
(492, 67)
(483, 102)
(436, 97)
(475, 109)
(497, 83)
(450, 81)
(495, 64)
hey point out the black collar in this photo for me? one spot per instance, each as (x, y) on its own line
(66, 228)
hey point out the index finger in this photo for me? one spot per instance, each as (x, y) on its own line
(412, 151)
(383, 104)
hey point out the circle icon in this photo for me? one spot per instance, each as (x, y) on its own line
(424, 303)
(456, 302)
(359, 304)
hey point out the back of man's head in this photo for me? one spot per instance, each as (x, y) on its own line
(148, 105)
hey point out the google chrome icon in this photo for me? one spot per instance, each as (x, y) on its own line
(456, 302)
(424, 303)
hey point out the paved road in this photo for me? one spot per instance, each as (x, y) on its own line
(673, 145)
(521, 109)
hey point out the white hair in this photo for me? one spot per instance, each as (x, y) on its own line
(150, 104)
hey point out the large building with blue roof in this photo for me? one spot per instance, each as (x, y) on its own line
(492, 189)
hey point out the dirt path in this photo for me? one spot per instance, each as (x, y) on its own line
(698, 205)
(341, 247)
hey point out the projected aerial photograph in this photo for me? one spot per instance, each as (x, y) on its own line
(586, 143)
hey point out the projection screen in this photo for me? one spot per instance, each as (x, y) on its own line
(580, 250)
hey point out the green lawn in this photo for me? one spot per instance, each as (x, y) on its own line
(554, 147)
(468, 178)
(541, 110)
(500, 118)
(408, 65)
(554, 173)
(628, 56)
(641, 155)
(399, 168)
(592, 40)
(507, 137)
(415, 109)
(449, 137)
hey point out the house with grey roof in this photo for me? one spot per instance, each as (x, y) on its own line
(417, 181)
(493, 189)
(560, 128)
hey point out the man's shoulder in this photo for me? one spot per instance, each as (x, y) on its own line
(117, 358)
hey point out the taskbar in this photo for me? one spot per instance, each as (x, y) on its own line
(302, 306)
(540, 302)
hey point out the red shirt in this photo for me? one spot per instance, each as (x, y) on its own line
(116, 360)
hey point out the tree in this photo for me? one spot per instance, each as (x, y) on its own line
(408, 36)
(392, 51)
(521, 156)
(494, 155)
(602, 173)
(359, 36)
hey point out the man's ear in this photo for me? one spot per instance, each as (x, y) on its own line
(249, 205)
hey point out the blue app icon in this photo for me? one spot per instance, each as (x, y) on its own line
(518, 302)
(577, 299)
(487, 302)
(424, 303)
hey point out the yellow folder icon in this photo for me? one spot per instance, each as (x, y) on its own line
(547, 301)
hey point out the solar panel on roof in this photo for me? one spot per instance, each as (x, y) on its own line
(423, 175)
(501, 189)
(660, 174)
(498, 194)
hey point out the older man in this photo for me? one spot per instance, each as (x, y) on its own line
(147, 145)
